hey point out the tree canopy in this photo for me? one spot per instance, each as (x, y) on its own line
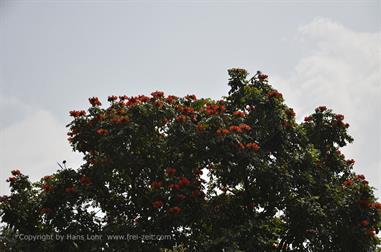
(236, 174)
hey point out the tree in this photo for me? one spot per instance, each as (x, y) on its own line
(238, 174)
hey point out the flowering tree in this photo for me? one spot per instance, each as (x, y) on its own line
(238, 174)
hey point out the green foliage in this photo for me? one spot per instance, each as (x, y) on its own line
(238, 174)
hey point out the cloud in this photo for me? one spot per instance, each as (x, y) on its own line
(34, 145)
(342, 71)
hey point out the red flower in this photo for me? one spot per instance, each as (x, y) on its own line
(159, 104)
(191, 97)
(188, 110)
(350, 162)
(371, 232)
(239, 114)
(157, 204)
(171, 98)
(321, 109)
(112, 98)
(364, 223)
(360, 177)
(262, 77)
(94, 101)
(170, 171)
(156, 184)
(252, 146)
(70, 189)
(308, 118)
(184, 181)
(47, 187)
(275, 94)
(181, 118)
(221, 132)
(348, 182)
(200, 127)
(290, 112)
(174, 186)
(16, 172)
(157, 94)
(75, 113)
(102, 131)
(244, 126)
(3, 199)
(235, 128)
(174, 210)
(376, 205)
(339, 117)
(84, 180)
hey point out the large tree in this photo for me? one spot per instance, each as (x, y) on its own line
(238, 174)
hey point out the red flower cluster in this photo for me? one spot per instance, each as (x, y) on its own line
(170, 171)
(184, 181)
(364, 223)
(181, 118)
(191, 97)
(221, 132)
(75, 113)
(321, 109)
(84, 180)
(112, 98)
(102, 131)
(156, 184)
(200, 127)
(214, 109)
(275, 94)
(174, 210)
(350, 162)
(376, 205)
(171, 98)
(252, 146)
(244, 126)
(235, 128)
(308, 118)
(174, 186)
(119, 120)
(157, 204)
(290, 112)
(47, 187)
(239, 114)
(11, 179)
(94, 101)
(70, 189)
(348, 182)
(157, 94)
(339, 117)
(16, 172)
(262, 77)
(48, 177)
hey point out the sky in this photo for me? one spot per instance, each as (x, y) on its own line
(56, 54)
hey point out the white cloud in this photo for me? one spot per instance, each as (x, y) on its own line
(34, 145)
(343, 71)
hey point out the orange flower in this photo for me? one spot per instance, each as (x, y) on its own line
(244, 126)
(239, 114)
(235, 128)
(157, 94)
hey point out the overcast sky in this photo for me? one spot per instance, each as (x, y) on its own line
(56, 54)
